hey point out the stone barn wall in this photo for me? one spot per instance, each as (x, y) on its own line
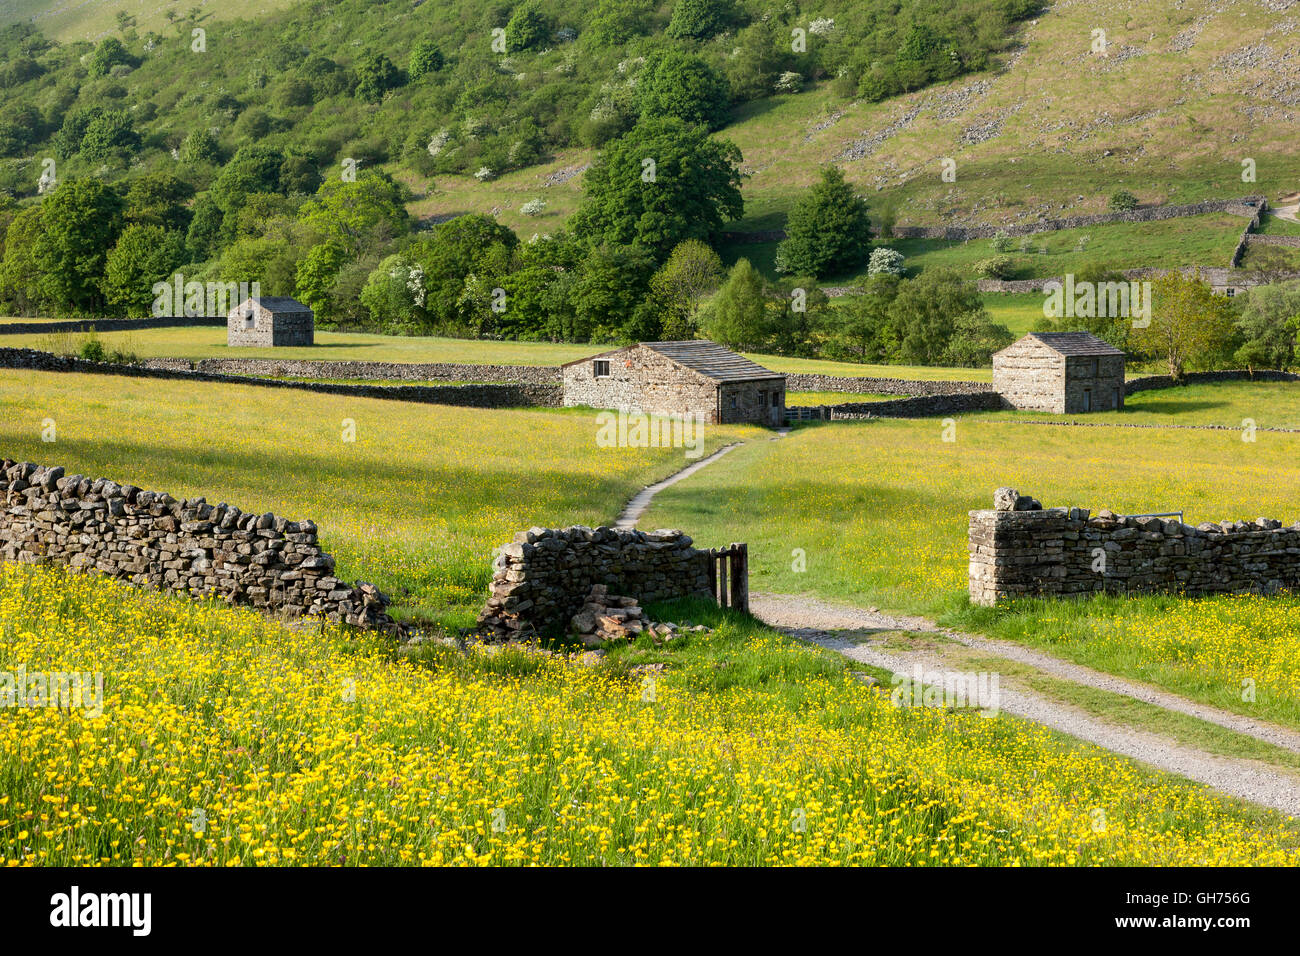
(641, 379)
(271, 328)
(1031, 376)
(189, 546)
(543, 577)
(1066, 552)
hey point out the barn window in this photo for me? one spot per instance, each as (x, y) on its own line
(776, 399)
(1115, 398)
(733, 401)
(600, 368)
(1096, 367)
(1087, 399)
(249, 319)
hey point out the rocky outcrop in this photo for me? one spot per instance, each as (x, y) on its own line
(188, 546)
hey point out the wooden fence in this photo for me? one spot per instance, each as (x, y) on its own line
(729, 576)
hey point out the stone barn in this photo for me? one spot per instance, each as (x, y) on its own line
(270, 320)
(678, 378)
(1061, 372)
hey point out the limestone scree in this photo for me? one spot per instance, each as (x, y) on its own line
(188, 546)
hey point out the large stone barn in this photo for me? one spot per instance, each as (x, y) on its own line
(270, 320)
(678, 378)
(1061, 372)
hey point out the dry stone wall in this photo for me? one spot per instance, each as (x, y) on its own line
(543, 577)
(1070, 552)
(110, 325)
(469, 396)
(188, 546)
(373, 371)
(924, 406)
(809, 382)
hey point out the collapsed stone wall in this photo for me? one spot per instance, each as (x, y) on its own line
(1065, 552)
(188, 546)
(543, 577)
(374, 371)
(468, 396)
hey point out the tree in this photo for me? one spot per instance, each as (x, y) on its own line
(143, 255)
(858, 326)
(395, 295)
(107, 55)
(699, 19)
(376, 75)
(426, 58)
(317, 276)
(683, 85)
(1189, 326)
(159, 199)
(200, 146)
(829, 229)
(885, 261)
(1123, 201)
(611, 284)
(1269, 323)
(615, 22)
(110, 136)
(738, 315)
(255, 168)
(81, 222)
(528, 29)
(1113, 329)
(467, 247)
(691, 271)
(21, 269)
(358, 214)
(925, 314)
(658, 185)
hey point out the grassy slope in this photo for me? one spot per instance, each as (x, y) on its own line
(418, 502)
(92, 19)
(880, 511)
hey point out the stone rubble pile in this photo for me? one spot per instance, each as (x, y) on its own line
(608, 617)
(152, 539)
(544, 576)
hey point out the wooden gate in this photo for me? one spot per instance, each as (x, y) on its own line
(729, 576)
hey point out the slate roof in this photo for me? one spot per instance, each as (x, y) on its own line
(713, 361)
(276, 303)
(1074, 343)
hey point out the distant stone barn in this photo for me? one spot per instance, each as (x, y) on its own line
(1061, 372)
(270, 321)
(678, 378)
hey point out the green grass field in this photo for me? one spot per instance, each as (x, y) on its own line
(880, 511)
(417, 504)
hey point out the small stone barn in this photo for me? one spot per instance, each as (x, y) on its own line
(1061, 372)
(678, 378)
(270, 320)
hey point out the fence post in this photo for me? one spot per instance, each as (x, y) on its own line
(740, 577)
(722, 580)
(713, 575)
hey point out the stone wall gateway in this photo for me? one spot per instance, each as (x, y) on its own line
(1022, 552)
(544, 575)
(187, 546)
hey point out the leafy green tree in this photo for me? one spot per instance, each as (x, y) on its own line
(143, 255)
(1190, 326)
(255, 168)
(81, 222)
(658, 185)
(159, 199)
(1269, 323)
(1123, 201)
(268, 262)
(395, 295)
(700, 19)
(612, 282)
(738, 316)
(467, 247)
(358, 215)
(317, 276)
(691, 272)
(925, 314)
(200, 146)
(67, 142)
(107, 55)
(426, 58)
(674, 83)
(206, 225)
(376, 75)
(615, 22)
(22, 268)
(859, 325)
(110, 136)
(828, 231)
(761, 53)
(527, 29)
(1114, 329)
